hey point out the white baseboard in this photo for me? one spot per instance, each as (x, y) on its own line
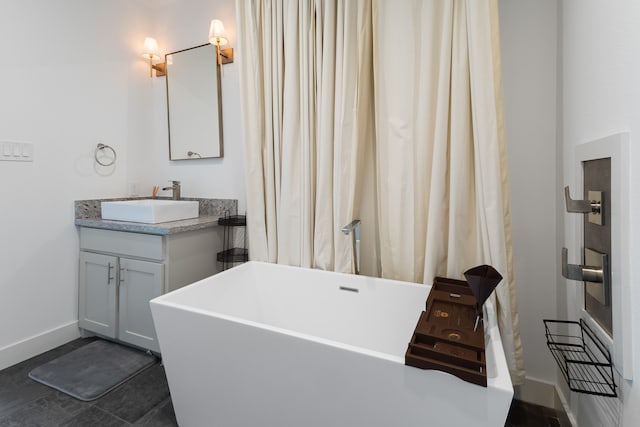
(536, 392)
(32, 346)
(563, 405)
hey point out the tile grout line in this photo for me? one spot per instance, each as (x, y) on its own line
(113, 415)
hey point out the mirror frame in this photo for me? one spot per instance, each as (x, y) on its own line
(219, 105)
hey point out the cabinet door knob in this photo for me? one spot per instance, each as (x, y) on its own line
(121, 276)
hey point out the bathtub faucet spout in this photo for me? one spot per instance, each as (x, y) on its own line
(351, 226)
(354, 228)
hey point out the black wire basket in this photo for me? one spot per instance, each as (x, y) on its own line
(584, 361)
(230, 256)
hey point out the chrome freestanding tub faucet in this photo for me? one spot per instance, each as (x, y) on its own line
(353, 228)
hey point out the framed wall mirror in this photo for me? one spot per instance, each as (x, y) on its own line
(194, 104)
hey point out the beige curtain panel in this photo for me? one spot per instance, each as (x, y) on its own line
(442, 169)
(304, 125)
(390, 112)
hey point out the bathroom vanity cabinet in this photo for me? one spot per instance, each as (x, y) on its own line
(121, 271)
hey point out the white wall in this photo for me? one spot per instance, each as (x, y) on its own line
(601, 96)
(180, 25)
(71, 77)
(597, 93)
(529, 63)
(67, 83)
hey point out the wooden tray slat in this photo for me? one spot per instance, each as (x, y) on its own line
(444, 338)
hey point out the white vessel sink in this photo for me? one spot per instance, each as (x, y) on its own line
(150, 211)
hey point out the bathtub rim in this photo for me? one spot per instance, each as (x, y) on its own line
(493, 344)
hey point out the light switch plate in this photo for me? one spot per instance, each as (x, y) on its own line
(13, 151)
(7, 149)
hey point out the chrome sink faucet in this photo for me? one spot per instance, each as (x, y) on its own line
(175, 187)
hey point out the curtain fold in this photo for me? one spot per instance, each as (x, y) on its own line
(443, 194)
(306, 124)
(493, 188)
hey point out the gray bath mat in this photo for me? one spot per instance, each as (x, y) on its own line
(92, 370)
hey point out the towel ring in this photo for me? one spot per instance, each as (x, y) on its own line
(102, 147)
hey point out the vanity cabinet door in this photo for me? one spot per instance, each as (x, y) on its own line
(139, 282)
(97, 293)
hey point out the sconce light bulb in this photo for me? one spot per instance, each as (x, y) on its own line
(216, 33)
(150, 50)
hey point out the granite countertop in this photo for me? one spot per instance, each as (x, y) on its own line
(88, 213)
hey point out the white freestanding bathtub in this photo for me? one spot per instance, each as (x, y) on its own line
(276, 346)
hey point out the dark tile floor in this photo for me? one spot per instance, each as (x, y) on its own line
(142, 401)
(530, 415)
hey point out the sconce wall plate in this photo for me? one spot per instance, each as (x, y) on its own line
(226, 56)
(161, 69)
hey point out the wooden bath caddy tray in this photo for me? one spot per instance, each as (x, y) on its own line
(444, 338)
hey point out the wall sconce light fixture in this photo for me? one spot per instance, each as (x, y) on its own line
(150, 52)
(217, 38)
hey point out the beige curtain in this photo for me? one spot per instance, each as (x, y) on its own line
(443, 203)
(305, 69)
(312, 75)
